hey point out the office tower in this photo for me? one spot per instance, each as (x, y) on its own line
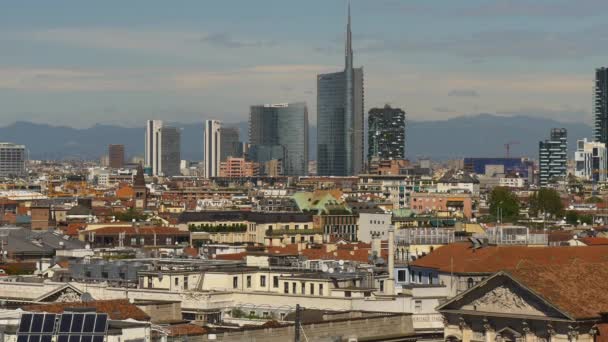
(116, 154)
(237, 168)
(212, 146)
(151, 158)
(169, 152)
(600, 105)
(340, 118)
(553, 156)
(280, 132)
(590, 160)
(386, 133)
(12, 160)
(230, 144)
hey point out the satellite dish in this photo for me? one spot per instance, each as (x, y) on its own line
(324, 268)
(86, 297)
(341, 262)
(331, 270)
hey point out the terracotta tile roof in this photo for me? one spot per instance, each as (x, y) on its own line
(191, 251)
(461, 258)
(117, 309)
(602, 335)
(184, 330)
(129, 230)
(231, 256)
(594, 241)
(578, 289)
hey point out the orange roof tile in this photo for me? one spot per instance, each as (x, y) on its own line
(231, 256)
(118, 309)
(594, 241)
(184, 330)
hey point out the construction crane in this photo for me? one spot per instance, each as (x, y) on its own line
(508, 147)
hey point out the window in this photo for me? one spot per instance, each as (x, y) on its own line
(417, 306)
(430, 279)
(401, 275)
(303, 288)
(320, 289)
(293, 239)
(367, 294)
(176, 281)
(305, 226)
(312, 289)
(275, 281)
(186, 282)
(297, 226)
(104, 275)
(286, 287)
(235, 282)
(168, 241)
(150, 282)
(248, 281)
(133, 241)
(381, 285)
(420, 277)
(293, 288)
(347, 294)
(470, 283)
(142, 241)
(263, 281)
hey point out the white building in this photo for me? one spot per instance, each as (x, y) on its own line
(152, 157)
(512, 182)
(590, 160)
(12, 159)
(373, 222)
(212, 145)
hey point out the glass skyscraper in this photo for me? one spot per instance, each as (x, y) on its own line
(340, 118)
(553, 156)
(280, 131)
(600, 105)
(386, 133)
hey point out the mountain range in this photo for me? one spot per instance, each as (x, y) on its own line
(481, 135)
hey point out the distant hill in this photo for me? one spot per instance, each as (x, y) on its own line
(479, 135)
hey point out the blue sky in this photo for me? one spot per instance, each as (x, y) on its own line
(78, 63)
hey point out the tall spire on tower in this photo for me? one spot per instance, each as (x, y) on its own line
(349, 47)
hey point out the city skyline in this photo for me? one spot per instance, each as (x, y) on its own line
(166, 64)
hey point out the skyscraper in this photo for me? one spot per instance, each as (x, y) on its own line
(152, 147)
(12, 159)
(280, 132)
(386, 133)
(230, 144)
(169, 141)
(340, 118)
(553, 156)
(600, 105)
(116, 156)
(590, 160)
(212, 145)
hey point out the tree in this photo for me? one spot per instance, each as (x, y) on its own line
(546, 201)
(504, 199)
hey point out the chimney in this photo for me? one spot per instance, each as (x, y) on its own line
(389, 284)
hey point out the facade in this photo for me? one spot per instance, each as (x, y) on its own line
(340, 118)
(600, 105)
(280, 132)
(169, 141)
(151, 158)
(116, 155)
(212, 146)
(459, 205)
(237, 168)
(590, 160)
(482, 166)
(12, 159)
(230, 144)
(386, 133)
(553, 156)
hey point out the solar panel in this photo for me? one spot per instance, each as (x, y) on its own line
(21, 338)
(74, 338)
(46, 338)
(97, 338)
(77, 323)
(49, 323)
(37, 323)
(89, 323)
(34, 338)
(62, 338)
(101, 325)
(66, 322)
(26, 321)
(86, 338)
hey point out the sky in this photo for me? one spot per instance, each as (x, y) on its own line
(79, 63)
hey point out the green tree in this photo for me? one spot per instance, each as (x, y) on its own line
(547, 201)
(504, 199)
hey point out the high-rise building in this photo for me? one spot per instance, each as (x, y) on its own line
(116, 155)
(230, 144)
(341, 118)
(152, 147)
(280, 132)
(237, 168)
(169, 153)
(590, 160)
(553, 156)
(386, 133)
(212, 152)
(12, 160)
(600, 105)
